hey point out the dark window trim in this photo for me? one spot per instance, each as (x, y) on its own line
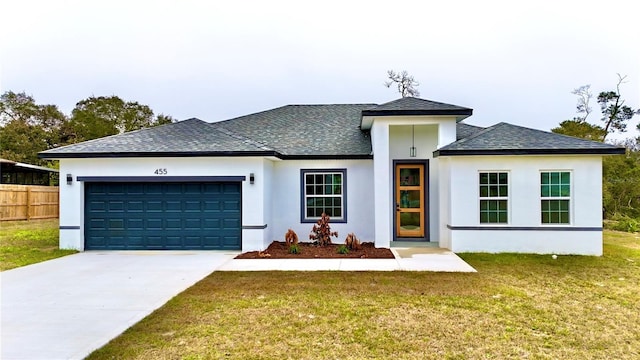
(427, 225)
(303, 218)
(69, 227)
(161, 178)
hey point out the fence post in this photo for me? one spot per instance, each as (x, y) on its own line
(28, 203)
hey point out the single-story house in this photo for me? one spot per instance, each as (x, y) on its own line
(406, 170)
(17, 173)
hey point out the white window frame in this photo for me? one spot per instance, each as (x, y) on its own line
(568, 198)
(495, 198)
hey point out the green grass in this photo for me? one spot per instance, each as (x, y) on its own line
(29, 242)
(516, 306)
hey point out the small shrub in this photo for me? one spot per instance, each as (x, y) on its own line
(343, 249)
(294, 249)
(291, 238)
(623, 223)
(321, 233)
(352, 242)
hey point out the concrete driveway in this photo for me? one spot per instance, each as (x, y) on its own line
(68, 307)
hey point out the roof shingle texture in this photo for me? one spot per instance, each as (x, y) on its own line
(191, 135)
(503, 136)
(306, 130)
(412, 104)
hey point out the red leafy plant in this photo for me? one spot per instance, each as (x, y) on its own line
(321, 233)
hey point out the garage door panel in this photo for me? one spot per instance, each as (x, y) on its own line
(173, 224)
(163, 216)
(154, 224)
(229, 224)
(135, 206)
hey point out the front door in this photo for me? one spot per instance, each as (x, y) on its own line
(410, 201)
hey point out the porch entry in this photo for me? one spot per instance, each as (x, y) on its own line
(411, 188)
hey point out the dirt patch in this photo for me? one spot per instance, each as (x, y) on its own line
(279, 250)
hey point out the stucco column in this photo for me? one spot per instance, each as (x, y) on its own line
(381, 184)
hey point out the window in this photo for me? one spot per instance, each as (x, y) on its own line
(555, 193)
(494, 195)
(324, 191)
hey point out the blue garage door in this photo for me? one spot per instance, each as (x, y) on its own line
(162, 216)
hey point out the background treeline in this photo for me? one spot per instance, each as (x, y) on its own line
(620, 174)
(27, 128)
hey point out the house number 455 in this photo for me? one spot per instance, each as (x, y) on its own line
(162, 171)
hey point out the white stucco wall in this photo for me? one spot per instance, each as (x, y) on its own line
(286, 198)
(255, 200)
(391, 139)
(581, 236)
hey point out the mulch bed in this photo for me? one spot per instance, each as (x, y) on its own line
(279, 250)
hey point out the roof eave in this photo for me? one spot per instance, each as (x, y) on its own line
(366, 120)
(612, 151)
(86, 155)
(273, 154)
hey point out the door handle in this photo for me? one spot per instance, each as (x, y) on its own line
(397, 207)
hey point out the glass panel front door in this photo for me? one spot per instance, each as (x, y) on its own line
(410, 219)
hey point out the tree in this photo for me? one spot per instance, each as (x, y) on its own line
(578, 126)
(97, 117)
(615, 114)
(27, 128)
(163, 119)
(621, 182)
(407, 85)
(584, 96)
(580, 129)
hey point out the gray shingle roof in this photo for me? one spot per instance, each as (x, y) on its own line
(416, 106)
(507, 139)
(315, 131)
(185, 137)
(307, 130)
(465, 130)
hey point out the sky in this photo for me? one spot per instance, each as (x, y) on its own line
(511, 61)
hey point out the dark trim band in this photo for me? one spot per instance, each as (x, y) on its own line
(254, 227)
(154, 154)
(203, 154)
(161, 178)
(613, 151)
(69, 227)
(466, 112)
(525, 228)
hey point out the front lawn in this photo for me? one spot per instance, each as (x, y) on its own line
(516, 306)
(29, 242)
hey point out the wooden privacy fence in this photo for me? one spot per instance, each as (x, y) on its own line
(26, 202)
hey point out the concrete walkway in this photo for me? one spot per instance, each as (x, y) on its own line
(407, 259)
(68, 307)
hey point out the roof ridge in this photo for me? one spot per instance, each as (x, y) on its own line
(475, 135)
(245, 139)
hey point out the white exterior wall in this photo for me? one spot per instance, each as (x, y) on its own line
(391, 138)
(582, 236)
(286, 199)
(255, 200)
(445, 202)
